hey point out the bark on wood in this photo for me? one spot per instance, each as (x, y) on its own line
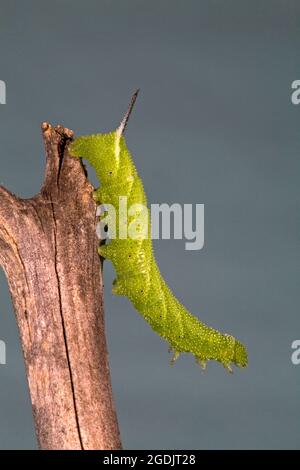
(48, 250)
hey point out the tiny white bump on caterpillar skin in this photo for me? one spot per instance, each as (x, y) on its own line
(98, 211)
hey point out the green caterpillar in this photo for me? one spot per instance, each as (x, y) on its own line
(137, 274)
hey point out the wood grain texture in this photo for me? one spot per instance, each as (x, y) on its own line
(48, 250)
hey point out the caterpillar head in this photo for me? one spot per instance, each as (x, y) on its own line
(102, 151)
(107, 153)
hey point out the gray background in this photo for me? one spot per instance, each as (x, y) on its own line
(214, 124)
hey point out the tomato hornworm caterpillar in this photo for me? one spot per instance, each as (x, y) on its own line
(137, 274)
